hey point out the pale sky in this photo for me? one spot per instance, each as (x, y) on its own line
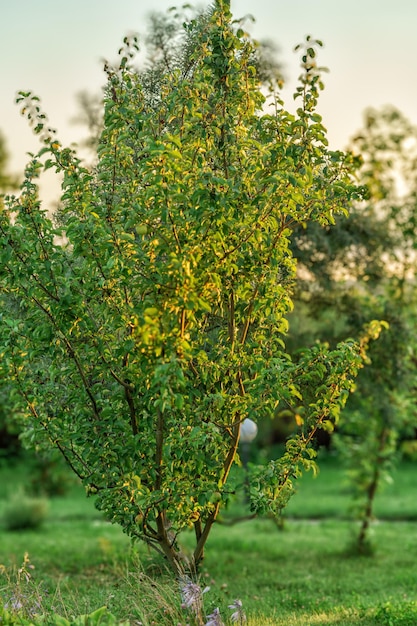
(55, 49)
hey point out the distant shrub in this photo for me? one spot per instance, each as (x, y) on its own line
(409, 450)
(50, 475)
(24, 512)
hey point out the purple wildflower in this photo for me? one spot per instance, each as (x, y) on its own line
(214, 619)
(192, 596)
(14, 603)
(238, 615)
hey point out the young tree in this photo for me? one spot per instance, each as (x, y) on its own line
(139, 345)
(388, 145)
(361, 269)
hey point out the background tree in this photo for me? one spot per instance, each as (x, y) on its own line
(140, 346)
(168, 48)
(8, 181)
(8, 429)
(361, 269)
(388, 145)
(90, 115)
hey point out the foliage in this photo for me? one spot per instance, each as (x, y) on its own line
(8, 439)
(8, 181)
(380, 414)
(9, 428)
(90, 114)
(388, 144)
(362, 269)
(50, 475)
(22, 512)
(169, 48)
(150, 324)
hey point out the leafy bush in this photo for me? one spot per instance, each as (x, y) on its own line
(50, 475)
(24, 512)
(409, 450)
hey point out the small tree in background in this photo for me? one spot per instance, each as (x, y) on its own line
(8, 429)
(383, 411)
(8, 182)
(139, 345)
(358, 270)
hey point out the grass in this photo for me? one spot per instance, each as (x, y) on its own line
(328, 494)
(301, 575)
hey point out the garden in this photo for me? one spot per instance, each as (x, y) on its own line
(216, 270)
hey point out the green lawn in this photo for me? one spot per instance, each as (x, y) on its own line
(327, 495)
(298, 576)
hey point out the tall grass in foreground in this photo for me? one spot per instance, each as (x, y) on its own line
(152, 601)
